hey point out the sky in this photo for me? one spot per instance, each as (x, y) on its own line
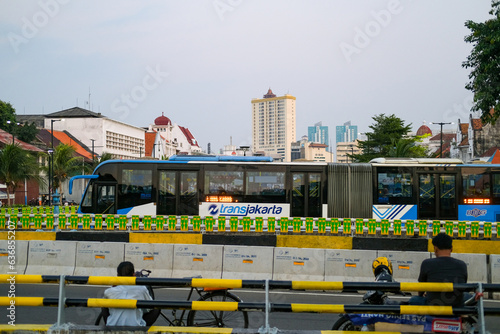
(201, 62)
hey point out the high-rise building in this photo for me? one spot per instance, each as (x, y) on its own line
(346, 132)
(318, 134)
(273, 125)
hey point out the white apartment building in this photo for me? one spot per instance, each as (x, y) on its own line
(101, 133)
(273, 125)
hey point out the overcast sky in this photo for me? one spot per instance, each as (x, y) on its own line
(201, 62)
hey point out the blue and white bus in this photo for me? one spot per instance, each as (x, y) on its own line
(444, 189)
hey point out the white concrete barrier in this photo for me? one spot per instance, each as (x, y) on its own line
(476, 266)
(246, 262)
(349, 265)
(299, 264)
(406, 265)
(98, 258)
(158, 258)
(46, 257)
(495, 272)
(193, 260)
(495, 268)
(15, 261)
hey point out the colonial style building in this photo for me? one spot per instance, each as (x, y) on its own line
(476, 140)
(164, 139)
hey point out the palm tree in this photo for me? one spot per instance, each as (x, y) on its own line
(103, 157)
(17, 166)
(65, 164)
(406, 148)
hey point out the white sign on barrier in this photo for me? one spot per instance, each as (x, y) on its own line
(495, 268)
(155, 257)
(476, 266)
(194, 260)
(98, 258)
(406, 265)
(47, 257)
(17, 254)
(306, 264)
(246, 262)
(349, 265)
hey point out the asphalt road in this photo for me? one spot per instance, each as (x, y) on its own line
(290, 321)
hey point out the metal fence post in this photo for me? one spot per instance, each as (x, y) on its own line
(480, 311)
(61, 316)
(266, 329)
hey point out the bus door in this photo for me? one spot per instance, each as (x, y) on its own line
(106, 197)
(306, 194)
(437, 196)
(178, 193)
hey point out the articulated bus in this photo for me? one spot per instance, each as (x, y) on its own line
(385, 188)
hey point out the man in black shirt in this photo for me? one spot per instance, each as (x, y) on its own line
(442, 268)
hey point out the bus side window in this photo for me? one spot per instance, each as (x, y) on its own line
(496, 185)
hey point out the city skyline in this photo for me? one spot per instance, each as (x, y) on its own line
(200, 63)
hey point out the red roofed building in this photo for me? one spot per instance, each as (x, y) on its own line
(318, 152)
(30, 189)
(476, 140)
(7, 138)
(164, 139)
(424, 130)
(435, 144)
(64, 137)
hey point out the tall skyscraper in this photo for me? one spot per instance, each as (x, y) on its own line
(346, 132)
(273, 124)
(318, 134)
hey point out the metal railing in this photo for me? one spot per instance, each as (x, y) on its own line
(329, 226)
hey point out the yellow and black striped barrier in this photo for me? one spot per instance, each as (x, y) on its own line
(246, 306)
(234, 306)
(249, 284)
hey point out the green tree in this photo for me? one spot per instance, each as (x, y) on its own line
(27, 132)
(7, 113)
(484, 64)
(16, 166)
(65, 164)
(388, 138)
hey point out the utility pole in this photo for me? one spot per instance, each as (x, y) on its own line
(93, 155)
(441, 125)
(51, 163)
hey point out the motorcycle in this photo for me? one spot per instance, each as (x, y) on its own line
(382, 269)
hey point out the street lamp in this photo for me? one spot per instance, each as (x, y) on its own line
(51, 157)
(16, 123)
(441, 124)
(93, 140)
(245, 149)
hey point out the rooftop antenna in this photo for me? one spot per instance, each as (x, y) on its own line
(89, 99)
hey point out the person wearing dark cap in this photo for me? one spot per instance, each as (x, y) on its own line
(442, 268)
